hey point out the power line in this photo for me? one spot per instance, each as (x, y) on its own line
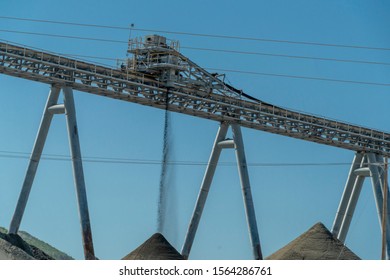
(201, 34)
(63, 36)
(110, 160)
(219, 69)
(301, 77)
(67, 23)
(289, 56)
(205, 49)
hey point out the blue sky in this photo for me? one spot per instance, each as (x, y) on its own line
(123, 197)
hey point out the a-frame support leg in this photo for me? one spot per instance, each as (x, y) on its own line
(204, 190)
(341, 211)
(246, 192)
(53, 108)
(351, 208)
(34, 160)
(377, 179)
(78, 174)
(219, 144)
(350, 196)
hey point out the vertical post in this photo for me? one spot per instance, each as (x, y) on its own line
(385, 242)
(204, 190)
(34, 160)
(378, 186)
(349, 185)
(246, 192)
(376, 183)
(78, 174)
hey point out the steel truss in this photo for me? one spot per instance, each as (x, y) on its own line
(143, 89)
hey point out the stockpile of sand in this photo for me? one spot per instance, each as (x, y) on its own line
(155, 248)
(317, 243)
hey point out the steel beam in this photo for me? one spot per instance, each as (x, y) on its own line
(34, 160)
(204, 190)
(350, 208)
(376, 184)
(349, 186)
(246, 192)
(78, 174)
(386, 208)
(376, 167)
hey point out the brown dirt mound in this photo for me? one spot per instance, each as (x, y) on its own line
(155, 248)
(317, 243)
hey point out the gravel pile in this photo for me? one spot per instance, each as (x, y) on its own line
(317, 243)
(13, 247)
(12, 252)
(155, 248)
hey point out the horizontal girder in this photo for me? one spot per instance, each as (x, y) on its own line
(143, 89)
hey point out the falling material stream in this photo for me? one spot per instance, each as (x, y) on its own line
(166, 215)
(163, 186)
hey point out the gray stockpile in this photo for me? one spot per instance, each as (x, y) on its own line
(23, 246)
(13, 247)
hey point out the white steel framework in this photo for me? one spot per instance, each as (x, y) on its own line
(220, 143)
(50, 109)
(157, 75)
(363, 165)
(210, 102)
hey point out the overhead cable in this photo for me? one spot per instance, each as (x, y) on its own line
(202, 34)
(111, 160)
(205, 49)
(220, 69)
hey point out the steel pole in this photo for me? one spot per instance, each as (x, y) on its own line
(349, 185)
(377, 185)
(34, 160)
(350, 208)
(204, 190)
(385, 223)
(78, 174)
(247, 193)
(385, 229)
(384, 175)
